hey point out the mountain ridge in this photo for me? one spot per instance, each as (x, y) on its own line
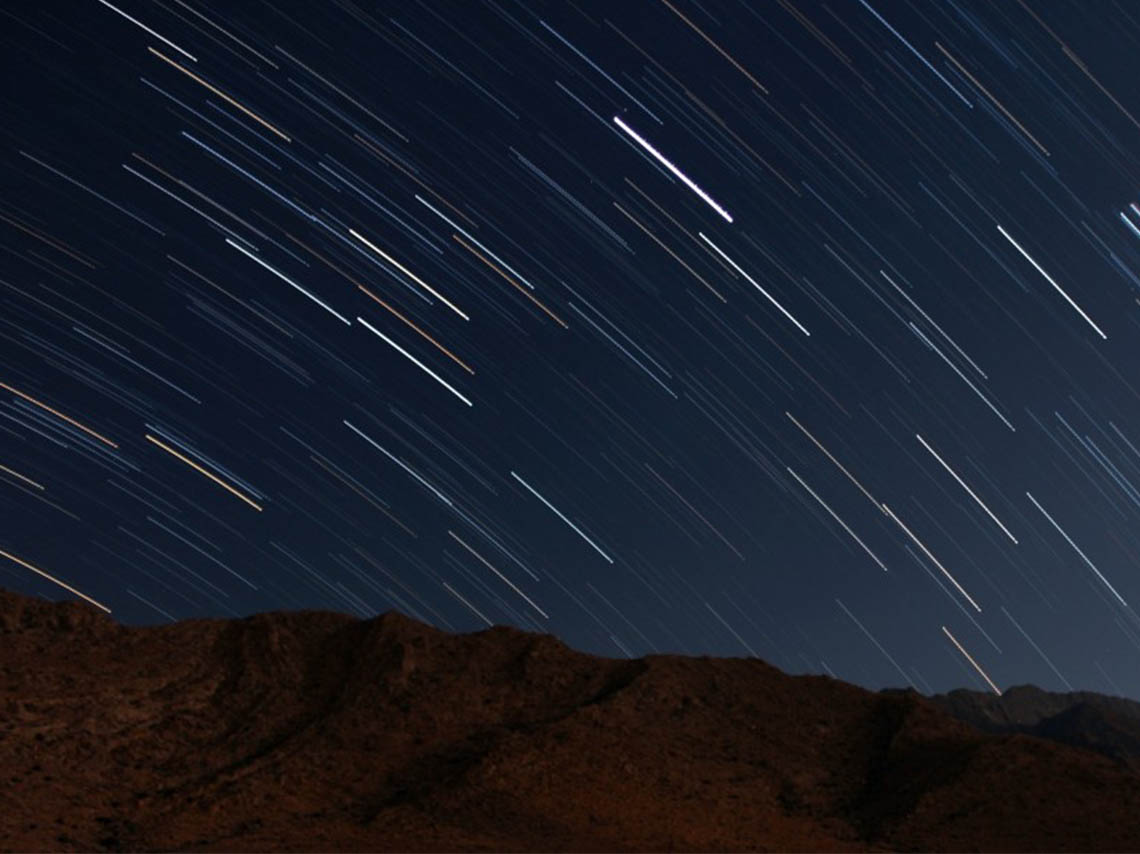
(311, 730)
(1105, 724)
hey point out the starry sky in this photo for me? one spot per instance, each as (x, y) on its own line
(795, 329)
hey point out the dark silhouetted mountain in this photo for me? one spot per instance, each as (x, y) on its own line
(1108, 725)
(314, 731)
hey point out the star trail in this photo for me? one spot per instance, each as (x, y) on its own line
(796, 329)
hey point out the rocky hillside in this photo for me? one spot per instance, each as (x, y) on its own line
(317, 731)
(1108, 725)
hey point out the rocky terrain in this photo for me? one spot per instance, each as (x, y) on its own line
(1108, 725)
(309, 731)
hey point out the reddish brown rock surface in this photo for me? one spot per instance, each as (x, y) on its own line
(316, 731)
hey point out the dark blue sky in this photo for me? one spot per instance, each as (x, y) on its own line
(796, 329)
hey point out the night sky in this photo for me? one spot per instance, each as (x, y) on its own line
(803, 330)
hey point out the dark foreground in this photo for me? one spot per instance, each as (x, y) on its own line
(316, 731)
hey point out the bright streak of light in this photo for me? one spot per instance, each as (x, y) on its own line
(837, 519)
(400, 463)
(458, 228)
(962, 376)
(205, 460)
(971, 660)
(563, 518)
(1128, 223)
(850, 476)
(665, 162)
(406, 272)
(933, 559)
(435, 343)
(997, 103)
(140, 24)
(21, 477)
(418, 363)
(511, 282)
(474, 610)
(59, 414)
(962, 484)
(287, 280)
(1077, 549)
(913, 50)
(201, 470)
(755, 284)
(52, 578)
(221, 94)
(1049, 279)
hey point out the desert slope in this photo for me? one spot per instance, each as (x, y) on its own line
(317, 731)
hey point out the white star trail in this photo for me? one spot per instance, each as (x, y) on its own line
(970, 659)
(1051, 281)
(560, 515)
(660, 158)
